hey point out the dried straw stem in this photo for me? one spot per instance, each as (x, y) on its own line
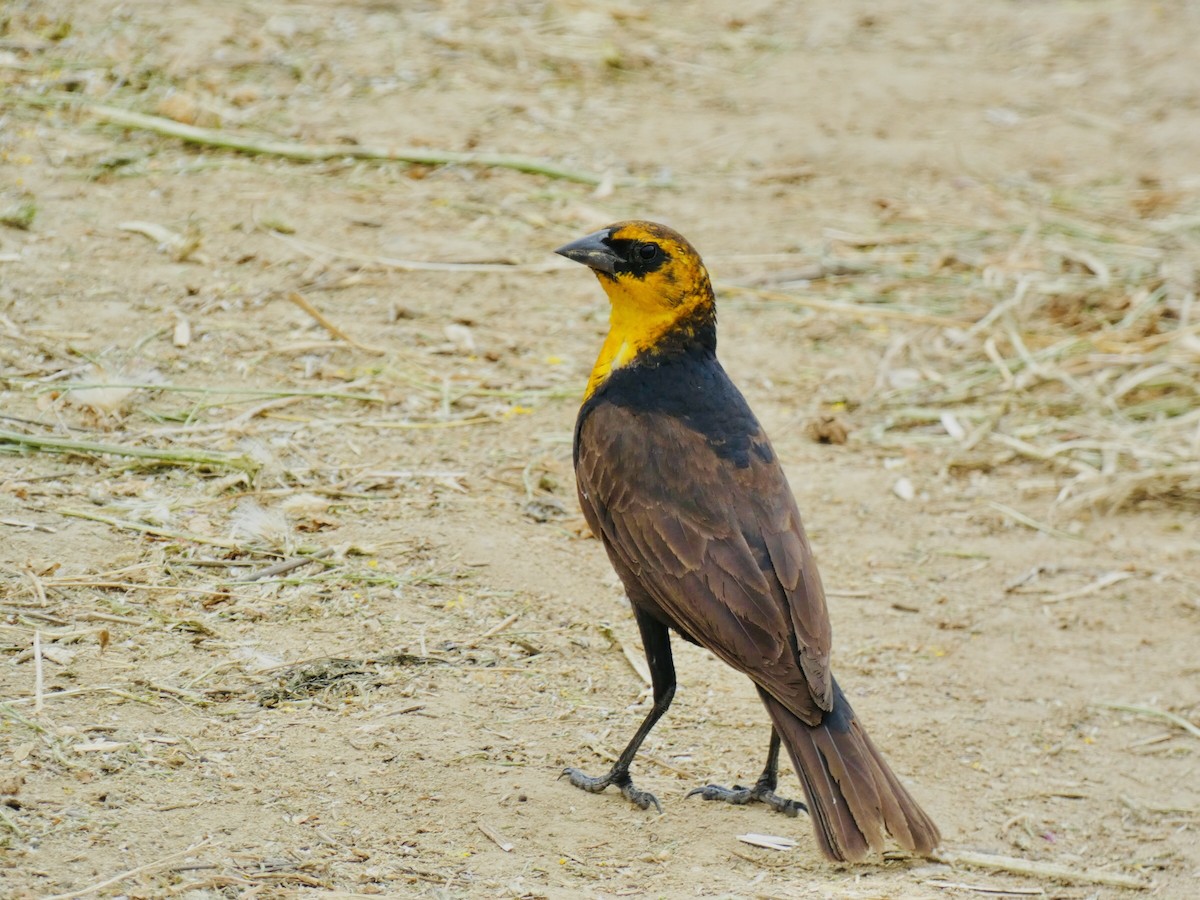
(226, 140)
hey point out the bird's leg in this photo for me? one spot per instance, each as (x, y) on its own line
(657, 641)
(763, 790)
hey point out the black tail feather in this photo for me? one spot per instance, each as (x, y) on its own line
(854, 798)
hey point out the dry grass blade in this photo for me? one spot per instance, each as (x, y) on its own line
(211, 137)
(12, 826)
(237, 423)
(181, 247)
(496, 629)
(275, 392)
(193, 457)
(39, 679)
(130, 873)
(495, 837)
(1095, 587)
(636, 661)
(27, 526)
(993, 890)
(1052, 871)
(301, 301)
(150, 529)
(282, 568)
(419, 426)
(1030, 522)
(1153, 713)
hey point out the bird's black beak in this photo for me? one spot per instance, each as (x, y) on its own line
(593, 251)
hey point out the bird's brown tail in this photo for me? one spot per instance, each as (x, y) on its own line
(853, 797)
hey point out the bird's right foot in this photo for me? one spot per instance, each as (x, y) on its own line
(760, 793)
(594, 785)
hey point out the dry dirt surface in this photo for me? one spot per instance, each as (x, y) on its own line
(295, 597)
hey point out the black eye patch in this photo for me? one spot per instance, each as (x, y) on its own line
(637, 258)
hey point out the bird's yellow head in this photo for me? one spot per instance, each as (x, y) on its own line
(658, 287)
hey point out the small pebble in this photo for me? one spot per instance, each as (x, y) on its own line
(903, 488)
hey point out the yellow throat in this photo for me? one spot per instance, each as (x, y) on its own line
(633, 329)
(656, 284)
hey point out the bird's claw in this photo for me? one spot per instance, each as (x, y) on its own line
(737, 795)
(783, 805)
(639, 798)
(587, 782)
(740, 796)
(595, 784)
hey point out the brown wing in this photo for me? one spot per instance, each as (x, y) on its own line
(719, 548)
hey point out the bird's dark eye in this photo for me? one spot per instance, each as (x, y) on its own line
(648, 252)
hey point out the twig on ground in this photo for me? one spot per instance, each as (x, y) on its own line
(1028, 450)
(1053, 871)
(150, 529)
(1029, 522)
(133, 586)
(987, 889)
(212, 137)
(8, 823)
(39, 589)
(27, 526)
(76, 692)
(173, 457)
(130, 873)
(448, 423)
(493, 631)
(229, 425)
(495, 837)
(1153, 713)
(1096, 586)
(282, 568)
(181, 247)
(25, 612)
(1000, 308)
(89, 615)
(219, 391)
(39, 678)
(8, 712)
(301, 301)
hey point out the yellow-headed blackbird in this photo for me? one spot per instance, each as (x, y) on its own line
(678, 480)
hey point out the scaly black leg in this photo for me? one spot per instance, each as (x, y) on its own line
(657, 641)
(763, 790)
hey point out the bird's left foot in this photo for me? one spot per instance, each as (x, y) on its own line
(762, 792)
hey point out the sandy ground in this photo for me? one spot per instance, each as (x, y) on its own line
(391, 719)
